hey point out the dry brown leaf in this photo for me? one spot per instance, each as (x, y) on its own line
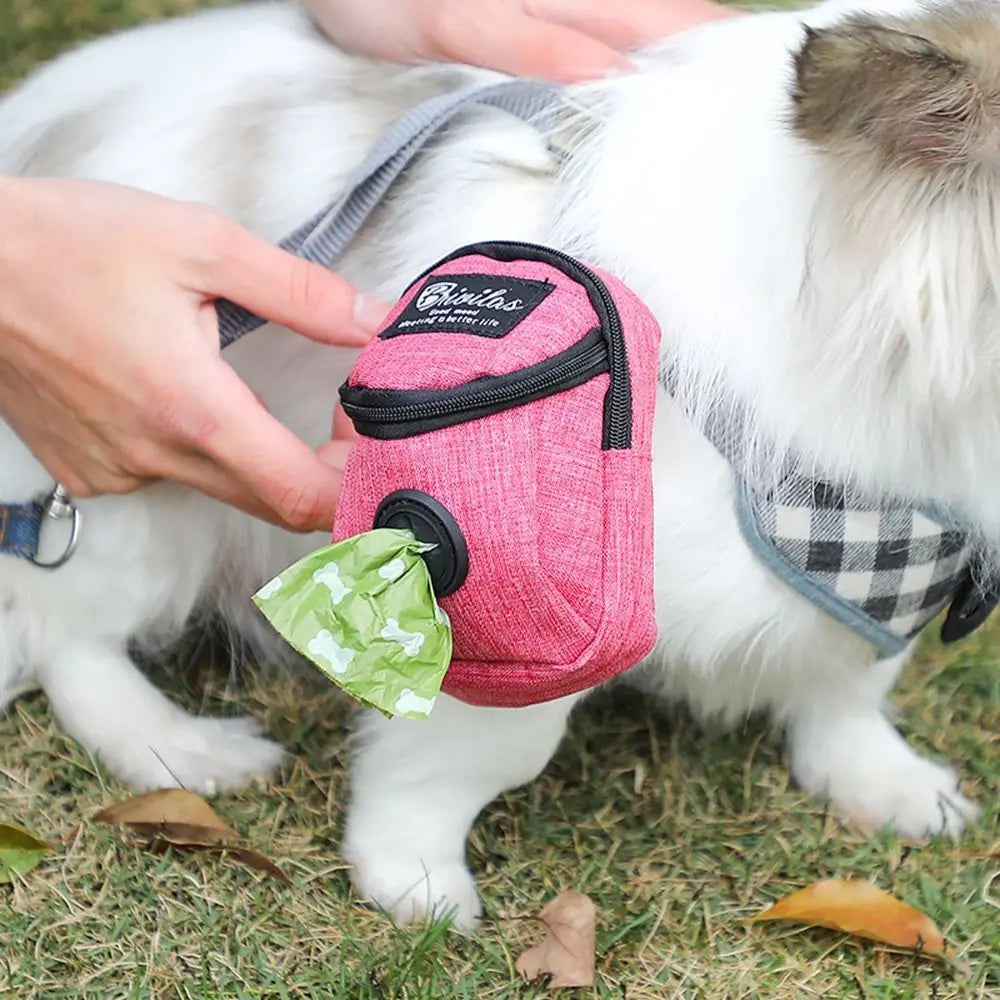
(168, 805)
(862, 909)
(567, 953)
(178, 818)
(245, 855)
(183, 834)
(254, 859)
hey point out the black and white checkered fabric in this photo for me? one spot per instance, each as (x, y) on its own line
(883, 569)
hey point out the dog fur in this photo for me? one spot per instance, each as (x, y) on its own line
(812, 215)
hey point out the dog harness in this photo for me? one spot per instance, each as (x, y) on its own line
(882, 568)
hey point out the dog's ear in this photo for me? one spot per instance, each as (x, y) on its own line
(922, 92)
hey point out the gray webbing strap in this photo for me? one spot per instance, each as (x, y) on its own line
(325, 237)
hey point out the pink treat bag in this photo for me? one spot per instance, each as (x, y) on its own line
(506, 411)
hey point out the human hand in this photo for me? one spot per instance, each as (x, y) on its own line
(110, 366)
(565, 41)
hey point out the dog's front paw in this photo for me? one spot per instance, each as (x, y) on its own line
(871, 776)
(923, 800)
(413, 890)
(202, 754)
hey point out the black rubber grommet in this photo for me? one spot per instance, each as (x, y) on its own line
(430, 521)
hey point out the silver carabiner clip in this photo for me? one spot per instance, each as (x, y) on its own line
(58, 505)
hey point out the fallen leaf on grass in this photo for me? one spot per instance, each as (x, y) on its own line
(168, 805)
(20, 851)
(179, 818)
(567, 953)
(862, 909)
(183, 834)
(167, 837)
(256, 860)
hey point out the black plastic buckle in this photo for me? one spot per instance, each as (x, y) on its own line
(971, 606)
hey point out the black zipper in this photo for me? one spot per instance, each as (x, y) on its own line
(618, 405)
(399, 413)
(388, 413)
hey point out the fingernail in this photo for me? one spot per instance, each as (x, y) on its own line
(370, 313)
(622, 68)
(605, 66)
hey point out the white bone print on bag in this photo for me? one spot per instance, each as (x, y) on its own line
(325, 646)
(410, 641)
(329, 577)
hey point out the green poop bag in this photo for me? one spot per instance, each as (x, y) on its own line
(364, 612)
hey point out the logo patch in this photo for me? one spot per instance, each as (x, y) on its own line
(481, 304)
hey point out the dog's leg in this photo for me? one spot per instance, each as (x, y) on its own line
(417, 786)
(16, 678)
(845, 749)
(102, 700)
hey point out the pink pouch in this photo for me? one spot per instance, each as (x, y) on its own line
(504, 413)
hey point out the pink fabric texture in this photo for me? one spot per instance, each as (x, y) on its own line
(559, 593)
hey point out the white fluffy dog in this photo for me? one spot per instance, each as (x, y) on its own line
(814, 219)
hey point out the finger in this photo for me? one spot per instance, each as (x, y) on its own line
(343, 426)
(90, 471)
(627, 24)
(288, 290)
(82, 476)
(85, 476)
(335, 454)
(88, 477)
(521, 45)
(207, 477)
(281, 471)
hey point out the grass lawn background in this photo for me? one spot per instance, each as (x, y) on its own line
(677, 834)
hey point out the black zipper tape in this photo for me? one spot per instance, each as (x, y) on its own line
(387, 413)
(390, 414)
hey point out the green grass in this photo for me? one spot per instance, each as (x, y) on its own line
(34, 30)
(676, 834)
